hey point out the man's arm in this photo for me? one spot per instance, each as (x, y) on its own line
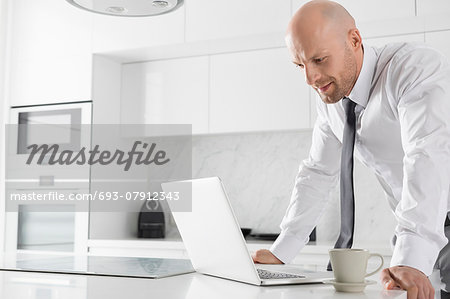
(424, 115)
(316, 177)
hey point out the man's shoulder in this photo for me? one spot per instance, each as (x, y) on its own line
(402, 67)
(395, 54)
(407, 60)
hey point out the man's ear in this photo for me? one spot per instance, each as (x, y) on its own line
(355, 38)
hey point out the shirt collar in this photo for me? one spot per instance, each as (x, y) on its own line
(361, 90)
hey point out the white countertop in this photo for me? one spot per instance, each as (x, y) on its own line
(26, 285)
(167, 243)
(316, 254)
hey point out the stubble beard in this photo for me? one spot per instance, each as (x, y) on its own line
(345, 84)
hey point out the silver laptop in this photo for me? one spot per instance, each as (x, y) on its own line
(214, 241)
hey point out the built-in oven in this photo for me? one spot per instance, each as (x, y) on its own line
(32, 224)
(59, 124)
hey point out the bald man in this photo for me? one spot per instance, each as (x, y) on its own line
(401, 98)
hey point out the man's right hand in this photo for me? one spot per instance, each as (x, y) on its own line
(264, 256)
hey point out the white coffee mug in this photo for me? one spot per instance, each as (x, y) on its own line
(350, 265)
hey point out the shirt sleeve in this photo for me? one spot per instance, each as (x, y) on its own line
(316, 177)
(423, 90)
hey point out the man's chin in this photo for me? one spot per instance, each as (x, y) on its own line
(329, 99)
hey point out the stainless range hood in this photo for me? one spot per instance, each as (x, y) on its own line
(128, 8)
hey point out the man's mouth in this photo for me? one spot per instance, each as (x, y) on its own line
(324, 88)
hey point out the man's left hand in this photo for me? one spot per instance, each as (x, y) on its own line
(415, 282)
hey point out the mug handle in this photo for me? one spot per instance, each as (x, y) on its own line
(379, 267)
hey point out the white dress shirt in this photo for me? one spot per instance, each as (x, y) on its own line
(403, 135)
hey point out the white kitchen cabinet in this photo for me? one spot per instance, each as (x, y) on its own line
(209, 20)
(402, 18)
(43, 232)
(50, 48)
(440, 41)
(173, 91)
(257, 91)
(106, 86)
(367, 11)
(433, 7)
(112, 33)
(374, 20)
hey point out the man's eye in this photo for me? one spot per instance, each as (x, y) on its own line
(319, 60)
(300, 66)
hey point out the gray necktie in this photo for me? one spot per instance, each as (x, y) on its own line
(345, 239)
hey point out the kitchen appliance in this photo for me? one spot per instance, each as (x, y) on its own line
(246, 231)
(38, 225)
(214, 241)
(151, 221)
(62, 124)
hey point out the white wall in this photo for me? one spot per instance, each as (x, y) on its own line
(3, 110)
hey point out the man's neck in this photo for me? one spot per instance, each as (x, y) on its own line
(359, 63)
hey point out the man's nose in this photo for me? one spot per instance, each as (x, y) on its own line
(311, 75)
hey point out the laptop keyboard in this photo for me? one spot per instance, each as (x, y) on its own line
(264, 274)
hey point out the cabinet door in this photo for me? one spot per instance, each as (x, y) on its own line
(208, 20)
(367, 11)
(47, 228)
(433, 7)
(257, 91)
(50, 53)
(113, 33)
(171, 91)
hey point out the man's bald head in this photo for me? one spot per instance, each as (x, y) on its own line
(324, 41)
(323, 15)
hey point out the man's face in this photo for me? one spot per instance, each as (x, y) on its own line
(329, 64)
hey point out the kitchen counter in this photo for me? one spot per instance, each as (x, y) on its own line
(313, 253)
(26, 285)
(252, 244)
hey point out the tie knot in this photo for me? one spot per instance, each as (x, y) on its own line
(349, 105)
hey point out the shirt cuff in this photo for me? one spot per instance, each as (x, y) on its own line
(413, 251)
(287, 246)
